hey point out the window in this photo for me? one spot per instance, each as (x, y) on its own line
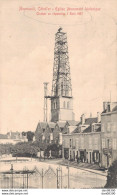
(70, 143)
(62, 88)
(60, 138)
(114, 144)
(51, 136)
(43, 137)
(109, 143)
(103, 143)
(108, 108)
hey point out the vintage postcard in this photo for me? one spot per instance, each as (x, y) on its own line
(58, 86)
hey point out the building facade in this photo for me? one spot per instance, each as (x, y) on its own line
(95, 139)
(83, 144)
(109, 133)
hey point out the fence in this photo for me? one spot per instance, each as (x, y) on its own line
(51, 177)
(31, 179)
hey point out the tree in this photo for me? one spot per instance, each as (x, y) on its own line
(24, 133)
(55, 148)
(30, 135)
(5, 148)
(112, 176)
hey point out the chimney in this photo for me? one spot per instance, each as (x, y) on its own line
(98, 117)
(107, 106)
(104, 106)
(82, 119)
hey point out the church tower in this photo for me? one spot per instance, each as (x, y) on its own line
(61, 99)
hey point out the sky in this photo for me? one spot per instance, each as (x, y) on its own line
(27, 57)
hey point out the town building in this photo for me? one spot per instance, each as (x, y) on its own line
(109, 133)
(95, 139)
(83, 144)
(12, 138)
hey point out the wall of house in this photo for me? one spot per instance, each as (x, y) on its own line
(109, 138)
(87, 144)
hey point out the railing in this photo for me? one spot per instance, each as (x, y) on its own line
(36, 178)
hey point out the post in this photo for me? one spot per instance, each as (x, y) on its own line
(23, 178)
(108, 153)
(42, 178)
(68, 175)
(12, 175)
(57, 178)
(61, 179)
(27, 179)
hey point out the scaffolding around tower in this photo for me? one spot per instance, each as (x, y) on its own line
(61, 94)
(61, 84)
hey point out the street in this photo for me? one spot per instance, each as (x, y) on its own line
(70, 177)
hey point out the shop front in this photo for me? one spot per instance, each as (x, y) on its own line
(96, 156)
(82, 155)
(66, 153)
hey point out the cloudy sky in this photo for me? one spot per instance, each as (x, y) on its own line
(27, 56)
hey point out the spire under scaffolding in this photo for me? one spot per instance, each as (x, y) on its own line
(61, 97)
(61, 84)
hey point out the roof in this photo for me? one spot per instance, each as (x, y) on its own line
(104, 111)
(43, 124)
(114, 109)
(89, 121)
(61, 124)
(87, 130)
(99, 129)
(71, 129)
(51, 125)
(3, 136)
(76, 130)
(40, 127)
(73, 123)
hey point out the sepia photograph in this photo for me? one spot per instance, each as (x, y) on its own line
(58, 86)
